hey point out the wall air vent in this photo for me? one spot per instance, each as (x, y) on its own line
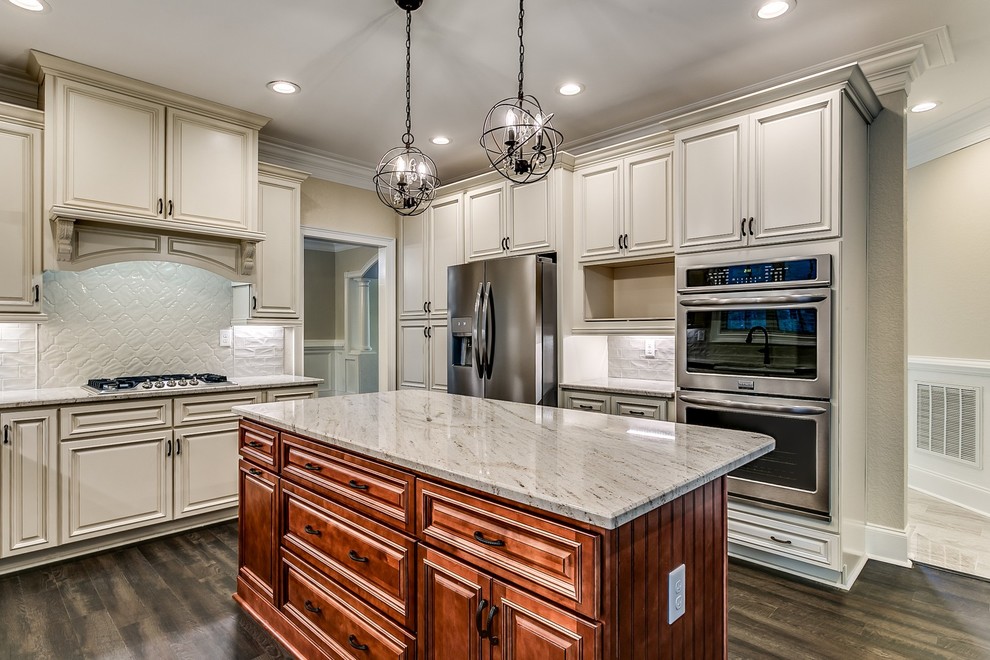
(949, 421)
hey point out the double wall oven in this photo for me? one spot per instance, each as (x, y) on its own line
(754, 353)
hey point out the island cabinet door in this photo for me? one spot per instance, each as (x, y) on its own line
(258, 543)
(527, 628)
(454, 602)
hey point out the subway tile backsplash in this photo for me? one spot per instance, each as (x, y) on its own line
(626, 358)
(133, 318)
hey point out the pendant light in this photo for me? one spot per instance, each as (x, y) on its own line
(406, 179)
(517, 138)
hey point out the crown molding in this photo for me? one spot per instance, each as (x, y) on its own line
(17, 87)
(961, 130)
(895, 65)
(320, 164)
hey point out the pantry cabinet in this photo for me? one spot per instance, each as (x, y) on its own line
(624, 206)
(28, 481)
(20, 214)
(770, 176)
(430, 243)
(423, 347)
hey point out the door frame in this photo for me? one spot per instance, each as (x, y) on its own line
(386, 300)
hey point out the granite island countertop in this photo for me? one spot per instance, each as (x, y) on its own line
(601, 469)
(662, 389)
(59, 396)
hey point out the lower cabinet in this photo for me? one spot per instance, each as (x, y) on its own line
(257, 529)
(28, 482)
(616, 404)
(114, 483)
(204, 478)
(465, 613)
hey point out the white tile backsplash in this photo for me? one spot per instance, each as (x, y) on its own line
(134, 318)
(627, 357)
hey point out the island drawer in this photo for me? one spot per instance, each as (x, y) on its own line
(257, 444)
(551, 559)
(375, 490)
(782, 539)
(371, 560)
(341, 624)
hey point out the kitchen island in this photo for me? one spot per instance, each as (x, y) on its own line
(403, 523)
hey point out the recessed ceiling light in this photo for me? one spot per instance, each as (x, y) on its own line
(283, 87)
(924, 107)
(775, 8)
(31, 5)
(441, 139)
(570, 89)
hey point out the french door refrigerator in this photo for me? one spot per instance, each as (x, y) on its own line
(503, 329)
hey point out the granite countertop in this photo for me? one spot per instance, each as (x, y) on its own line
(56, 396)
(600, 469)
(663, 389)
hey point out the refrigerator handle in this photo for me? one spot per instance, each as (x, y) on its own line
(489, 330)
(475, 330)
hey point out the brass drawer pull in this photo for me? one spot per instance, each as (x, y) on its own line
(309, 530)
(312, 608)
(354, 484)
(356, 557)
(480, 538)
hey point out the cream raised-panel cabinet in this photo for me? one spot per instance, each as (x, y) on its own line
(430, 243)
(290, 394)
(502, 219)
(115, 483)
(423, 354)
(624, 206)
(205, 468)
(771, 176)
(118, 149)
(28, 481)
(277, 292)
(20, 213)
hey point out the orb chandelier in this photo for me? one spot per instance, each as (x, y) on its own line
(518, 138)
(406, 179)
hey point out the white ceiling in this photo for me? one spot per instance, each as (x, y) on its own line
(637, 59)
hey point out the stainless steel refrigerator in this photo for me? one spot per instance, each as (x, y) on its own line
(503, 329)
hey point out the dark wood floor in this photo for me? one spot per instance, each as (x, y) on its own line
(170, 598)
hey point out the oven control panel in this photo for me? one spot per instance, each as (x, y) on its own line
(804, 271)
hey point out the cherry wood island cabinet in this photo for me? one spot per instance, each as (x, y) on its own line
(449, 551)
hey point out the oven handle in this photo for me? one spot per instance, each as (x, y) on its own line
(758, 300)
(762, 407)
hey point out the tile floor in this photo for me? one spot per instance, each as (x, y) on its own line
(948, 536)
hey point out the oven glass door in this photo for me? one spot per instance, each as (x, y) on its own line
(764, 344)
(795, 474)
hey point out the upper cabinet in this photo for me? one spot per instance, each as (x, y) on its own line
(502, 219)
(624, 207)
(136, 171)
(126, 155)
(277, 294)
(770, 176)
(20, 213)
(430, 243)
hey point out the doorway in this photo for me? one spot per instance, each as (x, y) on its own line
(347, 336)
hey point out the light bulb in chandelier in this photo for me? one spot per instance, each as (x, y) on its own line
(523, 145)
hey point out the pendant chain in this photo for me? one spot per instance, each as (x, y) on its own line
(522, 49)
(408, 137)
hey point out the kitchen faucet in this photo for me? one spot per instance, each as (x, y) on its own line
(766, 342)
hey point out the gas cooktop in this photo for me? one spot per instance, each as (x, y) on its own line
(154, 382)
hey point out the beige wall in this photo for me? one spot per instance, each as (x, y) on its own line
(886, 458)
(949, 227)
(334, 206)
(319, 273)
